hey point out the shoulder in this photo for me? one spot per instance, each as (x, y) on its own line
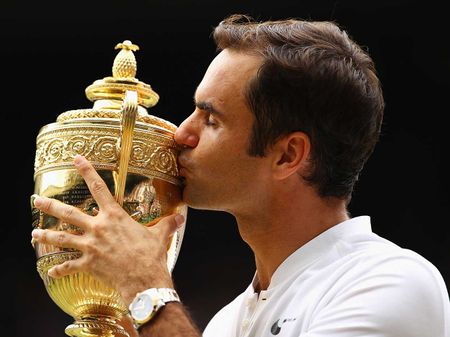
(394, 291)
(369, 254)
(404, 275)
(389, 264)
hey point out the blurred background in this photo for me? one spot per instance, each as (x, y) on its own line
(51, 51)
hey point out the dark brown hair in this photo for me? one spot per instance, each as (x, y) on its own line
(313, 79)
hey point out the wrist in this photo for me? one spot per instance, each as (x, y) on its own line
(148, 303)
(130, 289)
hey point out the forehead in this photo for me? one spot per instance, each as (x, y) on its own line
(228, 75)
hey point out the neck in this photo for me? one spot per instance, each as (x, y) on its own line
(277, 228)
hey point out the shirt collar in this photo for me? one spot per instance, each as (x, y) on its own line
(316, 247)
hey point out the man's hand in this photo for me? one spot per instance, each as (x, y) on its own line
(115, 249)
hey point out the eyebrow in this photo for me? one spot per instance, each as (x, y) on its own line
(207, 106)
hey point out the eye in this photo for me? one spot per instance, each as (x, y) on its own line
(210, 119)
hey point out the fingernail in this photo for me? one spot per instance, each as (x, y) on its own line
(78, 159)
(51, 272)
(179, 219)
(36, 233)
(37, 200)
(32, 198)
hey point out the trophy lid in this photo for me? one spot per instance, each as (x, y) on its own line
(96, 132)
(108, 93)
(124, 78)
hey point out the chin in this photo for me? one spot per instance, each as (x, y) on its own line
(187, 197)
(192, 202)
(197, 200)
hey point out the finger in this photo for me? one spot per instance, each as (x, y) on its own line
(169, 224)
(66, 268)
(62, 211)
(58, 238)
(95, 183)
(127, 323)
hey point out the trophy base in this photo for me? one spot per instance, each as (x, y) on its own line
(95, 327)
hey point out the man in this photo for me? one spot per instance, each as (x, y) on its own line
(286, 116)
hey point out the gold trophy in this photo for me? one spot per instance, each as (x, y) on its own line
(135, 154)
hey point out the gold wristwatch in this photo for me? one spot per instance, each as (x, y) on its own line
(147, 303)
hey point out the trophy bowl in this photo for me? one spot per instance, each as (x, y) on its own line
(135, 154)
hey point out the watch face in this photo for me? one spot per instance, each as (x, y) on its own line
(142, 307)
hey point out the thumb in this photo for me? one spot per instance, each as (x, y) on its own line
(168, 225)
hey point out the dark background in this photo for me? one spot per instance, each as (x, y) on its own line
(51, 51)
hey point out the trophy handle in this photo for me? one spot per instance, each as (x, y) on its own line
(128, 119)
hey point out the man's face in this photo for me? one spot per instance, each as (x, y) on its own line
(219, 173)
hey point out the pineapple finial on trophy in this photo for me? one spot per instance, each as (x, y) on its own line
(125, 63)
(109, 92)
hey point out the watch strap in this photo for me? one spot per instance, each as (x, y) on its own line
(159, 296)
(168, 295)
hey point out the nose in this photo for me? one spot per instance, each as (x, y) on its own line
(187, 133)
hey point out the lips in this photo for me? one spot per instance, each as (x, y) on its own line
(182, 173)
(182, 169)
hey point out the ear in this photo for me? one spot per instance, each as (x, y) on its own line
(291, 154)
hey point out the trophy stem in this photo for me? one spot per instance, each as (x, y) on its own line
(96, 326)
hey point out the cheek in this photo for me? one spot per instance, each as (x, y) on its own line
(221, 150)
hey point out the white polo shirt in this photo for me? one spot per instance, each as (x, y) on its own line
(346, 282)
